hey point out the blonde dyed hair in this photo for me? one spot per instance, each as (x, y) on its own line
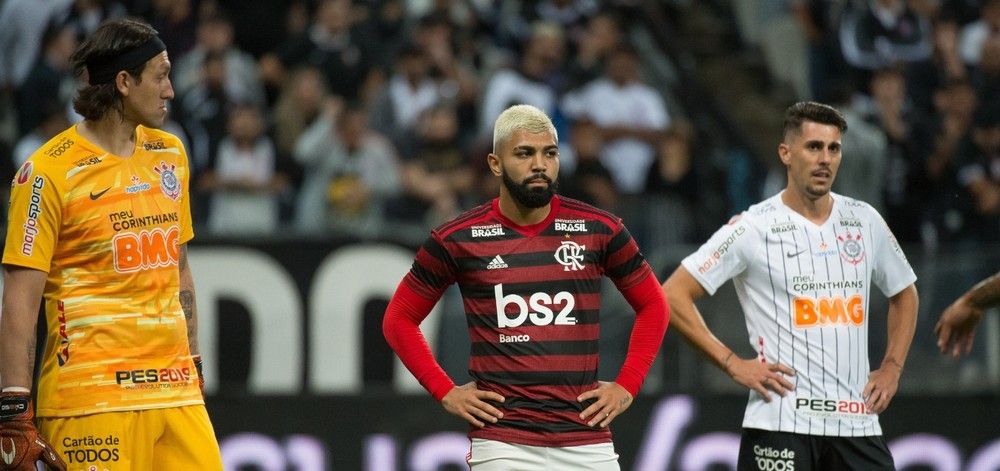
(521, 117)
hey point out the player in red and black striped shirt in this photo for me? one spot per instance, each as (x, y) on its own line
(529, 266)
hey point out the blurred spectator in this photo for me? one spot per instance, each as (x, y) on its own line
(436, 176)
(977, 33)
(331, 44)
(215, 36)
(52, 121)
(819, 21)
(244, 184)
(50, 78)
(298, 106)
(903, 197)
(582, 175)
(531, 83)
(454, 69)
(865, 153)
(889, 109)
(987, 76)
(945, 65)
(202, 111)
(883, 33)
(22, 24)
(672, 189)
(601, 36)
(86, 15)
(571, 15)
(979, 175)
(940, 136)
(631, 117)
(408, 93)
(350, 172)
(176, 21)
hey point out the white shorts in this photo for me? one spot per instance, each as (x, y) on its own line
(492, 455)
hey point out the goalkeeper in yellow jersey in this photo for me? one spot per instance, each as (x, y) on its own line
(99, 219)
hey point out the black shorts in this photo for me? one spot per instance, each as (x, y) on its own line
(763, 450)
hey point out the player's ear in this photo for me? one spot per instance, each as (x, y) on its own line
(784, 153)
(494, 162)
(123, 82)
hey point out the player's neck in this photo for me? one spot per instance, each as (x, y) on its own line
(111, 133)
(522, 215)
(816, 210)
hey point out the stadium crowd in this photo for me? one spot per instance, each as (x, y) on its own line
(371, 118)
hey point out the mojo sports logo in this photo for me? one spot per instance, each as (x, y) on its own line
(31, 220)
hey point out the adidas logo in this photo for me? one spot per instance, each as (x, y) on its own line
(496, 263)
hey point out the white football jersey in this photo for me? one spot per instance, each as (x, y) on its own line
(804, 290)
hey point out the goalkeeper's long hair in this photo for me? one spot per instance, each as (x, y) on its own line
(109, 40)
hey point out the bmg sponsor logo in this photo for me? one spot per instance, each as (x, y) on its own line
(143, 250)
(808, 311)
(770, 459)
(91, 449)
(34, 211)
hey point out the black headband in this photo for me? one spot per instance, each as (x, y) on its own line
(105, 69)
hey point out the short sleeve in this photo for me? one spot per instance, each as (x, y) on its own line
(725, 255)
(891, 271)
(34, 217)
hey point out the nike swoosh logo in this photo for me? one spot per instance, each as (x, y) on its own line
(94, 196)
(795, 254)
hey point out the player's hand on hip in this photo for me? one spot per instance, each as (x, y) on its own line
(881, 387)
(761, 377)
(957, 328)
(469, 402)
(20, 444)
(611, 399)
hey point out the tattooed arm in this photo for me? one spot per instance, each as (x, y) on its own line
(958, 323)
(187, 301)
(22, 294)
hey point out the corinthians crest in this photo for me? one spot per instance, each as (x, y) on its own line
(168, 180)
(851, 248)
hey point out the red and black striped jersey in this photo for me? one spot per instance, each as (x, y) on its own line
(532, 297)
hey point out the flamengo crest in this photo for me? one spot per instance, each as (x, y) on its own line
(570, 255)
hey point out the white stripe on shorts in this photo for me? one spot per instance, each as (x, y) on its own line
(492, 455)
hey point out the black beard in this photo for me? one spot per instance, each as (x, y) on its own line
(530, 197)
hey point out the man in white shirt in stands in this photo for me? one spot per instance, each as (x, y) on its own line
(803, 263)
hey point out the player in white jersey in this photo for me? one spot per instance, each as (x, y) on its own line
(803, 263)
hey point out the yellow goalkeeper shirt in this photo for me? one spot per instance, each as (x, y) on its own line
(107, 230)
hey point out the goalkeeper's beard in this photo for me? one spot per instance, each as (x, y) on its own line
(527, 196)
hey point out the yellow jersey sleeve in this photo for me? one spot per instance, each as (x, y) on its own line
(34, 214)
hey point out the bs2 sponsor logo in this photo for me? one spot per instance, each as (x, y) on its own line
(834, 310)
(143, 250)
(541, 308)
